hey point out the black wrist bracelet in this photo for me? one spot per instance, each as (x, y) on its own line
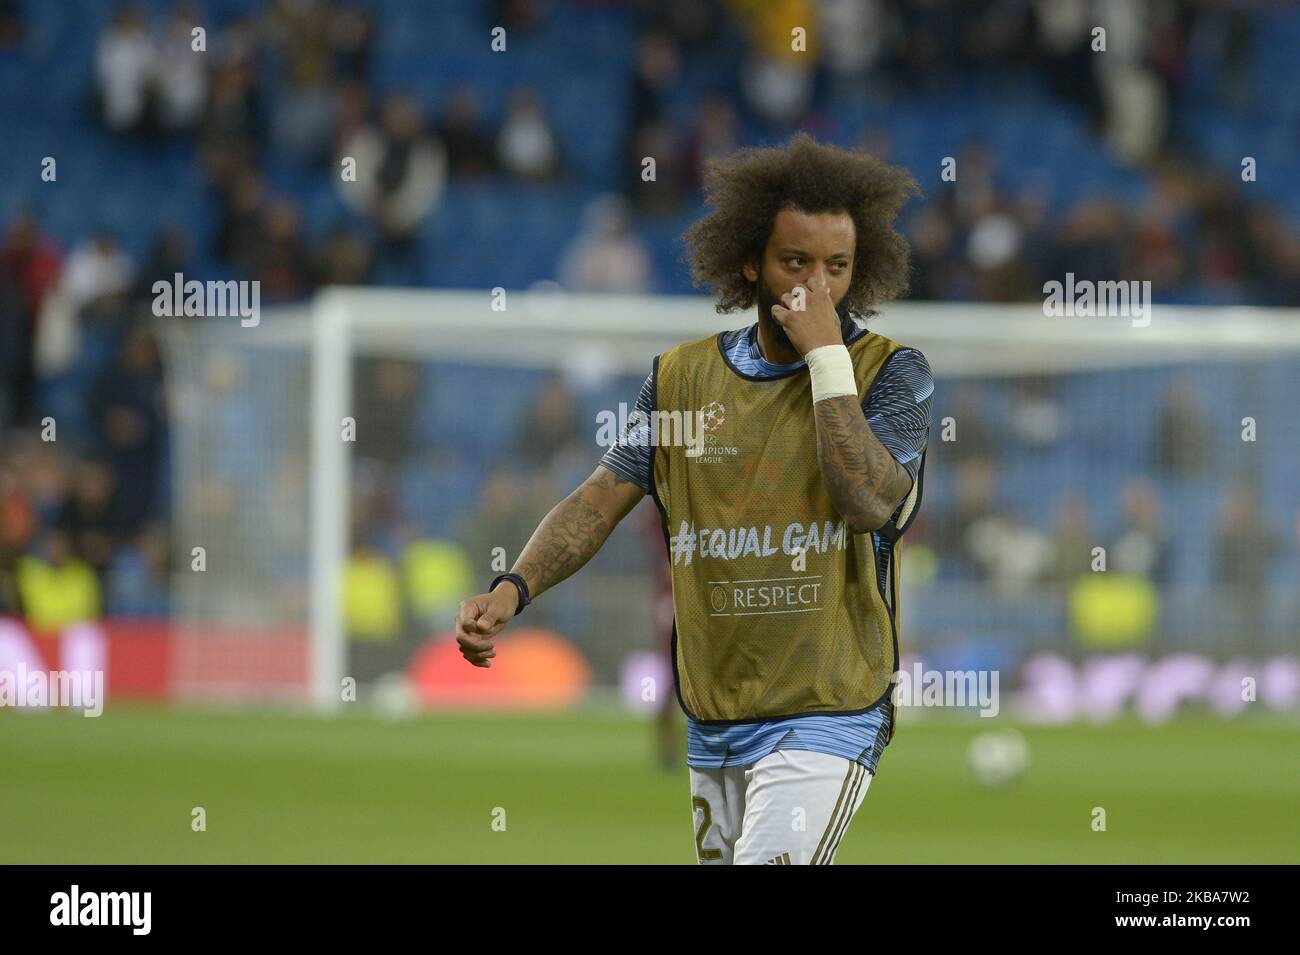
(520, 585)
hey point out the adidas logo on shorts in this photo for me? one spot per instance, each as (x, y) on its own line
(782, 859)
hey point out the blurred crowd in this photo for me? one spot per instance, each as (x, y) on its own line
(1020, 518)
(87, 510)
(999, 237)
(1196, 234)
(294, 82)
(1192, 546)
(402, 581)
(82, 464)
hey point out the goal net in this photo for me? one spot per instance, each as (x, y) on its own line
(350, 470)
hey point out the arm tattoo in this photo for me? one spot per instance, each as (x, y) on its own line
(569, 535)
(860, 474)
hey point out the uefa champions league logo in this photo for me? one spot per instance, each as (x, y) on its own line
(705, 449)
(714, 415)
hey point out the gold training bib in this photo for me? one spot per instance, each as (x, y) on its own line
(777, 607)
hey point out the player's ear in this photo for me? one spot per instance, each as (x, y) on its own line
(750, 271)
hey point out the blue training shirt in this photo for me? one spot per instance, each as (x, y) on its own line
(898, 410)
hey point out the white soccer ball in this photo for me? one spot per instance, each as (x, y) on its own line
(393, 698)
(997, 757)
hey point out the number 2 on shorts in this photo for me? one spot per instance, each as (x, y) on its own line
(704, 855)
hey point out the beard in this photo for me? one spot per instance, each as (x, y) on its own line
(766, 299)
(774, 331)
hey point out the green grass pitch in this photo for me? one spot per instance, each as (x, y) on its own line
(584, 787)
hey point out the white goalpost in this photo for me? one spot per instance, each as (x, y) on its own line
(264, 474)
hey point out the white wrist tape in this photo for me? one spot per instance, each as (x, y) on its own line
(831, 370)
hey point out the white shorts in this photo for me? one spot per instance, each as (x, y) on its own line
(792, 807)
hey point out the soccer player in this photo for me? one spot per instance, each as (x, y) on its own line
(783, 517)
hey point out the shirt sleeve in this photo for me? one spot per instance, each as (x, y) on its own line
(898, 407)
(630, 458)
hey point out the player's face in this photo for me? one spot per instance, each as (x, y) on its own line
(802, 245)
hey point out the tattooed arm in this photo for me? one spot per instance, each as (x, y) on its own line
(575, 529)
(567, 538)
(863, 479)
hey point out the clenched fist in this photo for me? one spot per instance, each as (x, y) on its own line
(483, 617)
